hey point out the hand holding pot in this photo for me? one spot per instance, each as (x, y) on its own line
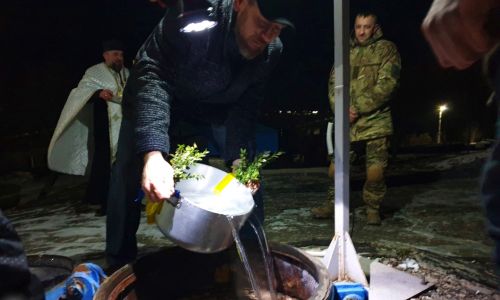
(157, 177)
(252, 185)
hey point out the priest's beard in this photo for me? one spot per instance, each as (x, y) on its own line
(117, 67)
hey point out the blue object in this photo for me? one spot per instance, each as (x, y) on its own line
(177, 194)
(266, 139)
(140, 195)
(56, 292)
(348, 291)
(89, 282)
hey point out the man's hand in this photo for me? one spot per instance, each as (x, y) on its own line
(455, 29)
(106, 95)
(253, 186)
(353, 115)
(157, 177)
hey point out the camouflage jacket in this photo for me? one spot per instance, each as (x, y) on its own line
(375, 68)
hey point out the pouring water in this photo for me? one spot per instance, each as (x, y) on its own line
(244, 259)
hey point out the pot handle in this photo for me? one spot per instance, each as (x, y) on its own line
(175, 199)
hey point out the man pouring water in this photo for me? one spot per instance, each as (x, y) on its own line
(205, 64)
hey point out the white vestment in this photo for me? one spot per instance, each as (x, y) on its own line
(70, 147)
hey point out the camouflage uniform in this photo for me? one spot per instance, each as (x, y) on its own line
(375, 68)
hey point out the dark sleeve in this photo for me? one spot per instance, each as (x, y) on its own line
(148, 96)
(490, 189)
(14, 271)
(490, 194)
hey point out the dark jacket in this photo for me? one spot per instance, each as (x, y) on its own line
(490, 189)
(196, 75)
(16, 280)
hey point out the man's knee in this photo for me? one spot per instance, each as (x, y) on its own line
(331, 169)
(374, 174)
(375, 188)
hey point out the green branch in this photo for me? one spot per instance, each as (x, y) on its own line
(247, 172)
(183, 158)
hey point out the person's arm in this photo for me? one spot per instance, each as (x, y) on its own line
(152, 88)
(457, 30)
(387, 81)
(353, 115)
(149, 107)
(331, 89)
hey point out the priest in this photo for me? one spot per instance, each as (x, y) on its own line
(86, 136)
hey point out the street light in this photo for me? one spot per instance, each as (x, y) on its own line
(441, 109)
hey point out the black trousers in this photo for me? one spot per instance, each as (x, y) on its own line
(98, 185)
(124, 211)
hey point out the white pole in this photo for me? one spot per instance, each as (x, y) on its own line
(441, 109)
(439, 127)
(342, 83)
(340, 258)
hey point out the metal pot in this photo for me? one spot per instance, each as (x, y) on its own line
(202, 217)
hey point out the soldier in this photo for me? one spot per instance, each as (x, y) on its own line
(375, 68)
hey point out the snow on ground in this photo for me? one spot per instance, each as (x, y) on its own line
(60, 229)
(435, 220)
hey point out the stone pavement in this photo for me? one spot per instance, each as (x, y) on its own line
(432, 214)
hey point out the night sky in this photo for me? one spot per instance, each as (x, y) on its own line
(47, 45)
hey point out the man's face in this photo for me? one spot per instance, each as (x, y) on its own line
(253, 31)
(114, 59)
(364, 28)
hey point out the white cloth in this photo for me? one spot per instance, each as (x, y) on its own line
(70, 146)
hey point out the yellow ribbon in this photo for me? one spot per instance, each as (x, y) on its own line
(152, 209)
(223, 183)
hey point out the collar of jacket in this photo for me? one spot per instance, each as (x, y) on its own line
(374, 38)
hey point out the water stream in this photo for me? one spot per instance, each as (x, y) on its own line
(244, 258)
(266, 254)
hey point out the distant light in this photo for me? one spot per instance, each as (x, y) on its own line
(442, 108)
(289, 112)
(199, 26)
(280, 111)
(315, 112)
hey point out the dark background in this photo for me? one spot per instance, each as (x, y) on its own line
(47, 45)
